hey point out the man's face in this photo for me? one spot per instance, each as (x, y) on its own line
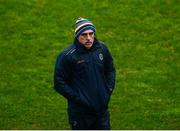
(87, 38)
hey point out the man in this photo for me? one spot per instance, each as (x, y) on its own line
(85, 76)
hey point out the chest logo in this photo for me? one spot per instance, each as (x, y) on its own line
(80, 61)
(101, 56)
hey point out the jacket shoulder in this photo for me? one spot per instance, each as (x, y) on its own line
(69, 50)
(103, 45)
(66, 53)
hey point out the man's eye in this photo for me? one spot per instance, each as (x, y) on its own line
(84, 34)
(91, 33)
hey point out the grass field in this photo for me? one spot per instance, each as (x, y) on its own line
(142, 35)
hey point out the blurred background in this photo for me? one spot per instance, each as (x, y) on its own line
(142, 35)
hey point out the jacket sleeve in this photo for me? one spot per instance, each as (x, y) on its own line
(109, 70)
(62, 74)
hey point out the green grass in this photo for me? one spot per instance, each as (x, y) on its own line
(143, 36)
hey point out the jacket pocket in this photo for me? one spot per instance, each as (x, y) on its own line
(81, 68)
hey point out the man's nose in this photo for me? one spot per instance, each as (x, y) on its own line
(88, 37)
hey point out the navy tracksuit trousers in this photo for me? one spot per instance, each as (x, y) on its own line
(89, 121)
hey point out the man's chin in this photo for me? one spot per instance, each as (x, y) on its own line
(88, 46)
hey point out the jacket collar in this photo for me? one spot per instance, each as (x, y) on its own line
(83, 49)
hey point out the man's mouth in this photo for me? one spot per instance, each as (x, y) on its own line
(88, 43)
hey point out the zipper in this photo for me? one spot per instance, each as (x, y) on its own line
(93, 67)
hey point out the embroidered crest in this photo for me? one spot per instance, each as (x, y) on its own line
(101, 56)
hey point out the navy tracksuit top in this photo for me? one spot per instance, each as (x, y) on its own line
(85, 77)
